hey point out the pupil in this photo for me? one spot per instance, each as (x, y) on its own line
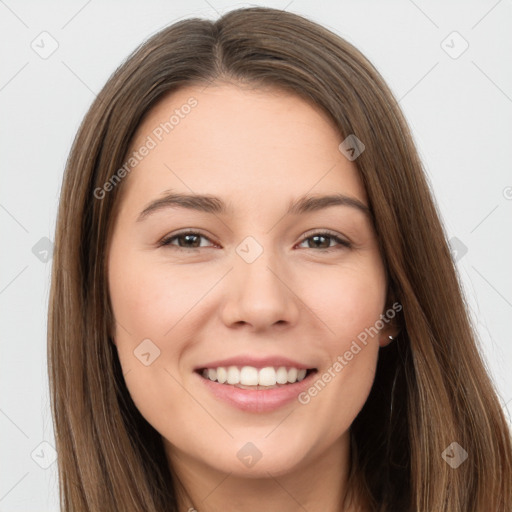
(188, 238)
(317, 237)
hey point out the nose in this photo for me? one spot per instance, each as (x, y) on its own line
(260, 294)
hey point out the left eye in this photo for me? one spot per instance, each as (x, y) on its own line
(192, 240)
(318, 238)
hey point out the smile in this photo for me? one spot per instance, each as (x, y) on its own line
(254, 390)
(252, 377)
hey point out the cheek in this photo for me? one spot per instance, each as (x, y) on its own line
(147, 306)
(347, 299)
(350, 306)
(146, 300)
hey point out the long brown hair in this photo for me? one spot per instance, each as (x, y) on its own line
(431, 386)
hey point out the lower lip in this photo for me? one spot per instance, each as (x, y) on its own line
(257, 400)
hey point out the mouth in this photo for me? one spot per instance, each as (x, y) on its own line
(255, 384)
(253, 378)
(254, 389)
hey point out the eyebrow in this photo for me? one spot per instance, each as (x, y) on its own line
(215, 205)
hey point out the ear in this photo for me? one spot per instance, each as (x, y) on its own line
(388, 335)
(392, 319)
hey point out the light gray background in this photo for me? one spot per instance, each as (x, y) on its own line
(459, 109)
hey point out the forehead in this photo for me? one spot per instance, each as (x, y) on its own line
(253, 144)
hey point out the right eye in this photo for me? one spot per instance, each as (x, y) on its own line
(186, 240)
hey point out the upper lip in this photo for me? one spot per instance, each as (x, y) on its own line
(256, 362)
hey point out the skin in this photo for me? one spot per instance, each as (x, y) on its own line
(257, 150)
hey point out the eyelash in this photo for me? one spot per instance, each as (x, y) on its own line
(165, 242)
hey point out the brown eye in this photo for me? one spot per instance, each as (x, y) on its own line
(323, 241)
(187, 240)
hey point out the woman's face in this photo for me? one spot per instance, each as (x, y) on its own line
(259, 289)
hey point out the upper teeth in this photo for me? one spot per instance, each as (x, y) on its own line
(250, 376)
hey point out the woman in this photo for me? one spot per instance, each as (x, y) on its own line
(253, 303)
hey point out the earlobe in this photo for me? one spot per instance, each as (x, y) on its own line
(385, 338)
(394, 323)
